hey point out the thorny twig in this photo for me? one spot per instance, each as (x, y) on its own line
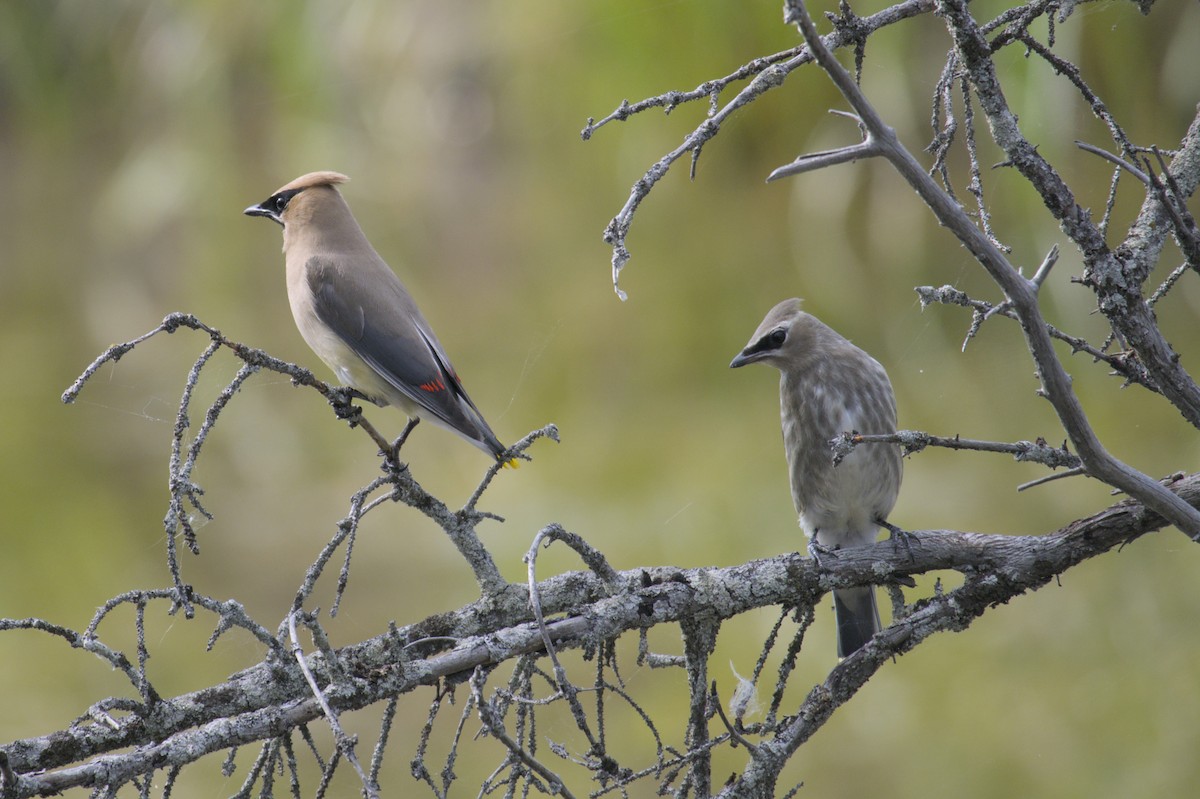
(770, 76)
(1039, 277)
(1173, 199)
(1122, 364)
(914, 441)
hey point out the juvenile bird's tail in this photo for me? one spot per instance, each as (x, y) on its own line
(857, 618)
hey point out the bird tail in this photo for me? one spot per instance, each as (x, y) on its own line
(857, 618)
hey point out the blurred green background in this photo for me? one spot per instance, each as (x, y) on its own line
(133, 134)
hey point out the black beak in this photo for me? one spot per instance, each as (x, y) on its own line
(259, 210)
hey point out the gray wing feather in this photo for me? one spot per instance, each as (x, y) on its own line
(387, 331)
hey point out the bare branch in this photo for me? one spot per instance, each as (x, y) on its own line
(345, 743)
(765, 79)
(914, 441)
(868, 148)
(1125, 365)
(459, 526)
(1173, 199)
(1115, 275)
(1056, 383)
(565, 686)
(1121, 162)
(1117, 278)
(494, 725)
(708, 90)
(259, 703)
(1063, 67)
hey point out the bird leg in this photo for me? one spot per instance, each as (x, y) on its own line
(341, 399)
(898, 535)
(816, 550)
(413, 421)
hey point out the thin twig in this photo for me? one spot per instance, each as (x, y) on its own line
(1129, 368)
(914, 441)
(769, 77)
(1121, 162)
(1050, 478)
(345, 743)
(733, 732)
(565, 686)
(511, 455)
(869, 147)
(495, 728)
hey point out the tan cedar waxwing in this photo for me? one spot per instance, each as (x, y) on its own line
(828, 386)
(357, 316)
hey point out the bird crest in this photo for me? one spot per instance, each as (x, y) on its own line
(315, 179)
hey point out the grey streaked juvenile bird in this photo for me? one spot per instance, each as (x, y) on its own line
(828, 386)
(357, 316)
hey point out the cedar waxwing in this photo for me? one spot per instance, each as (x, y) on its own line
(357, 316)
(828, 386)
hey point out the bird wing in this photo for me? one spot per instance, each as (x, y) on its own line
(387, 331)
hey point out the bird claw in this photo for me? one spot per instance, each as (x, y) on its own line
(816, 550)
(341, 399)
(392, 464)
(898, 536)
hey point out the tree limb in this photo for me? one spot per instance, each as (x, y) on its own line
(269, 699)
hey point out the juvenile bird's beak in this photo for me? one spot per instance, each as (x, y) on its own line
(741, 359)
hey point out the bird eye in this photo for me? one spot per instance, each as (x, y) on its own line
(278, 202)
(777, 337)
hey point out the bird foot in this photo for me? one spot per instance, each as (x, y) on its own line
(898, 536)
(341, 399)
(816, 550)
(391, 463)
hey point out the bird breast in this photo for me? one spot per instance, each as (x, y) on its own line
(839, 505)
